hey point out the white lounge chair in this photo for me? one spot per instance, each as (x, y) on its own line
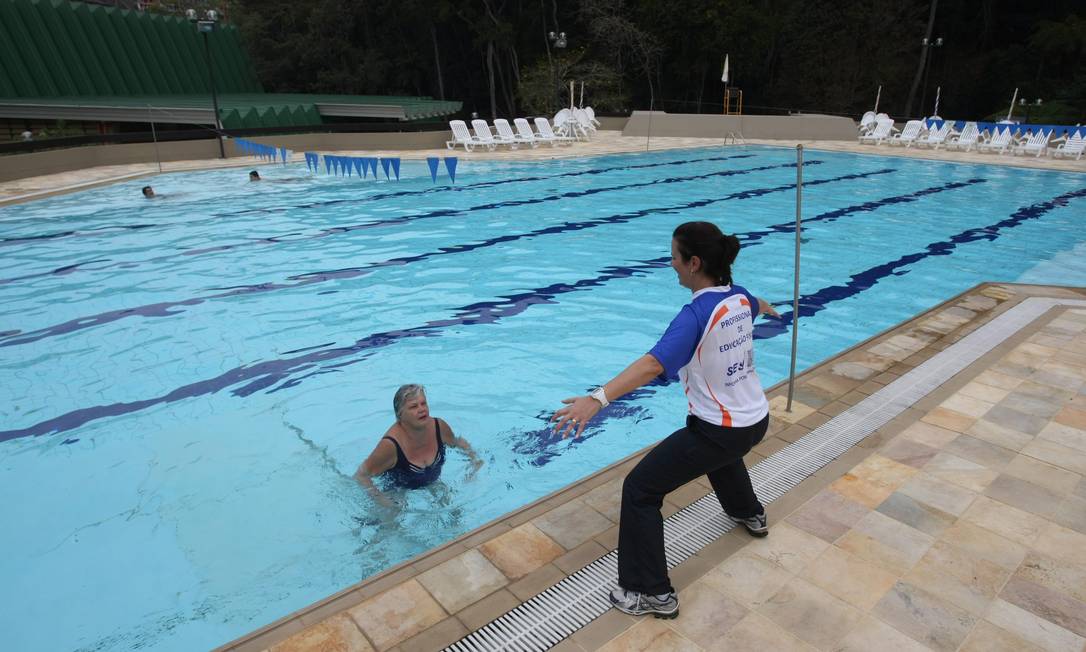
(967, 139)
(506, 135)
(525, 133)
(461, 136)
(935, 137)
(1073, 146)
(1000, 142)
(546, 134)
(909, 133)
(483, 134)
(882, 131)
(1036, 144)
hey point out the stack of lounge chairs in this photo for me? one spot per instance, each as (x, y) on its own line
(997, 138)
(569, 126)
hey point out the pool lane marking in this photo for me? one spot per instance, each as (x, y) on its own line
(265, 374)
(171, 308)
(372, 198)
(404, 219)
(812, 304)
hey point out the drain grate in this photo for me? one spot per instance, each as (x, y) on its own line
(556, 613)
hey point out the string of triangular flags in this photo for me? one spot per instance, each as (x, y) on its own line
(344, 165)
(364, 165)
(269, 153)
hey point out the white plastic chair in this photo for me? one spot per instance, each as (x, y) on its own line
(999, 142)
(461, 136)
(483, 135)
(525, 133)
(596, 124)
(935, 137)
(583, 124)
(1036, 144)
(967, 139)
(546, 134)
(868, 122)
(506, 135)
(880, 133)
(1073, 146)
(909, 133)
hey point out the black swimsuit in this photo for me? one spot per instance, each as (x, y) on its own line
(407, 475)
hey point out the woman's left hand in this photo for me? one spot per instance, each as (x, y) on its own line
(573, 418)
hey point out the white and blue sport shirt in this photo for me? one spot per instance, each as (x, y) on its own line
(709, 346)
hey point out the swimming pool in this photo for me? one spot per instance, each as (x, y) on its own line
(189, 382)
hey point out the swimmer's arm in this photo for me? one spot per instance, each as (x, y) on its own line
(450, 438)
(380, 460)
(766, 308)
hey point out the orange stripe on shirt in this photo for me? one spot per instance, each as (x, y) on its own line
(716, 318)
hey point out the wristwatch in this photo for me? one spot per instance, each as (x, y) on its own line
(600, 396)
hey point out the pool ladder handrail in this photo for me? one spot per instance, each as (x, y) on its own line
(737, 138)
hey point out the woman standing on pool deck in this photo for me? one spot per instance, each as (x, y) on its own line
(414, 436)
(709, 345)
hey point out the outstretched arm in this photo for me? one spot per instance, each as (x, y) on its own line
(766, 308)
(579, 409)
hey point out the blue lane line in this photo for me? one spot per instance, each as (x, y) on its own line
(394, 221)
(377, 197)
(265, 374)
(171, 308)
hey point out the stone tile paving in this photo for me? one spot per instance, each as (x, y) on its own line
(951, 528)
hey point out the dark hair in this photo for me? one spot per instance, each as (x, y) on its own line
(146, 188)
(254, 173)
(716, 250)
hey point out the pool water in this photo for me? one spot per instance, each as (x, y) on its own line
(189, 382)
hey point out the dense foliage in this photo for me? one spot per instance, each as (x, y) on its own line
(786, 55)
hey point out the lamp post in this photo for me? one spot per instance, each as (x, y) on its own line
(928, 44)
(558, 40)
(1029, 106)
(204, 26)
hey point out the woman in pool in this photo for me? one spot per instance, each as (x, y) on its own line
(709, 345)
(412, 451)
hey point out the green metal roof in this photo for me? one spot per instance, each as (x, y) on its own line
(236, 111)
(76, 61)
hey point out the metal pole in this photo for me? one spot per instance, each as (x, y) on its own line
(214, 96)
(795, 287)
(648, 134)
(154, 137)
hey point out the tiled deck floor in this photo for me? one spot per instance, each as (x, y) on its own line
(961, 524)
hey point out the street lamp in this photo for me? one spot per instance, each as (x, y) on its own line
(1029, 106)
(207, 24)
(928, 45)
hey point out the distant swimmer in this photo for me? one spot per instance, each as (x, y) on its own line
(254, 175)
(412, 451)
(148, 192)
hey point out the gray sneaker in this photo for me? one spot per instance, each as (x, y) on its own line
(756, 525)
(637, 604)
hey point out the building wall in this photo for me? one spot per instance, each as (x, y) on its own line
(769, 127)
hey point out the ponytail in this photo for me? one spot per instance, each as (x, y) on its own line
(716, 250)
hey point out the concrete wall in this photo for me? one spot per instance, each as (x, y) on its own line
(19, 166)
(769, 127)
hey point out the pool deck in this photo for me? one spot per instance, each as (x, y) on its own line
(958, 525)
(605, 142)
